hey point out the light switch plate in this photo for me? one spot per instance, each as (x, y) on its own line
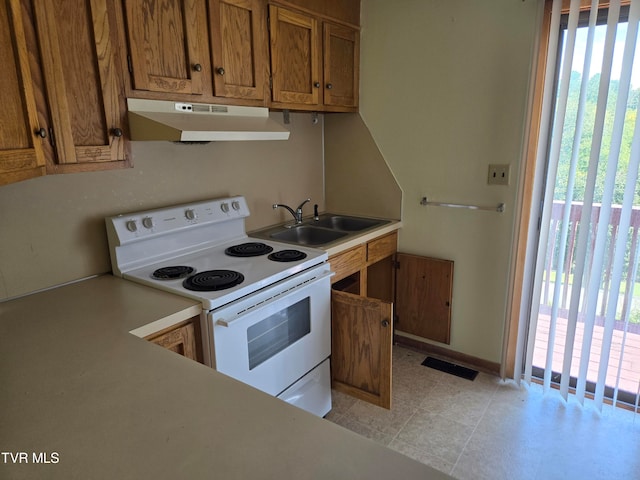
(498, 175)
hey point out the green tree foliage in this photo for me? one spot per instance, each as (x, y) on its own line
(586, 140)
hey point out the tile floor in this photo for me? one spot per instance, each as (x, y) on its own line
(490, 429)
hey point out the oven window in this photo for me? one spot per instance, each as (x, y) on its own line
(276, 332)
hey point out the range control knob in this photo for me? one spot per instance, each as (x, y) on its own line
(190, 214)
(235, 205)
(132, 226)
(147, 222)
(224, 207)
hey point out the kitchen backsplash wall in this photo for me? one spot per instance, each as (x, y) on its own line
(358, 179)
(52, 228)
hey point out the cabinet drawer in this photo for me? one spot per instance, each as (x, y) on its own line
(346, 263)
(382, 247)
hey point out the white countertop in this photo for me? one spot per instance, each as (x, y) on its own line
(114, 406)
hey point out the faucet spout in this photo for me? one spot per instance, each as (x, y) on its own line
(289, 209)
(297, 214)
(299, 209)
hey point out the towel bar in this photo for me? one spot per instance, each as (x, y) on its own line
(499, 208)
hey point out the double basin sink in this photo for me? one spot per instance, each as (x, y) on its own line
(327, 229)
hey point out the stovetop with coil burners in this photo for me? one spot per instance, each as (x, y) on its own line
(200, 250)
(216, 278)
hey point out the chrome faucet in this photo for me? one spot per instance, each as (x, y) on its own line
(297, 214)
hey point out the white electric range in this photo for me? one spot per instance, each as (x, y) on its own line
(266, 317)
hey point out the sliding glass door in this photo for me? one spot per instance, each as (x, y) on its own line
(584, 326)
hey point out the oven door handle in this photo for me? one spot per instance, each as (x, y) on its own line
(237, 318)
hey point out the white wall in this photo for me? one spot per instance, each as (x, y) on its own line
(444, 87)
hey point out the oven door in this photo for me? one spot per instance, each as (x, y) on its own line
(271, 338)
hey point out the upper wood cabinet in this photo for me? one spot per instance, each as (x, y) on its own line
(21, 147)
(62, 88)
(295, 57)
(341, 65)
(314, 62)
(168, 46)
(225, 51)
(239, 48)
(85, 88)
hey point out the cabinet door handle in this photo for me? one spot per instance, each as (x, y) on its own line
(385, 323)
(42, 133)
(316, 84)
(329, 86)
(197, 67)
(116, 132)
(220, 70)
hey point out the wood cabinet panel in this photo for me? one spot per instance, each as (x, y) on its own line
(85, 85)
(341, 65)
(295, 57)
(361, 347)
(382, 247)
(346, 263)
(21, 151)
(424, 288)
(421, 289)
(168, 47)
(182, 339)
(361, 314)
(312, 68)
(239, 45)
(381, 279)
(346, 11)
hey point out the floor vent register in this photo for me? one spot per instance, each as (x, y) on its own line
(451, 368)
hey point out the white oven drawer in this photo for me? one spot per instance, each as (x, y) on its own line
(312, 392)
(273, 338)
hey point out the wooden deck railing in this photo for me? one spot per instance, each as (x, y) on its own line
(631, 259)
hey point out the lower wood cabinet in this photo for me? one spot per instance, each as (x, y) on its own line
(183, 339)
(361, 320)
(361, 340)
(424, 288)
(372, 280)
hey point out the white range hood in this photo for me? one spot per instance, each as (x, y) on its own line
(199, 122)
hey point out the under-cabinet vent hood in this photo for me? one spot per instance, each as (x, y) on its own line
(199, 122)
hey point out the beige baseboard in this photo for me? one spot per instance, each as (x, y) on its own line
(443, 353)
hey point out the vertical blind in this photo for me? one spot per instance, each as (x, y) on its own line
(592, 158)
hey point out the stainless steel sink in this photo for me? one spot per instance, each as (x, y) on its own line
(347, 224)
(306, 235)
(327, 229)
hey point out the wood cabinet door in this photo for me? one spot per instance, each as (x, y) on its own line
(85, 86)
(424, 288)
(341, 65)
(239, 45)
(168, 49)
(182, 340)
(295, 57)
(21, 150)
(361, 342)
